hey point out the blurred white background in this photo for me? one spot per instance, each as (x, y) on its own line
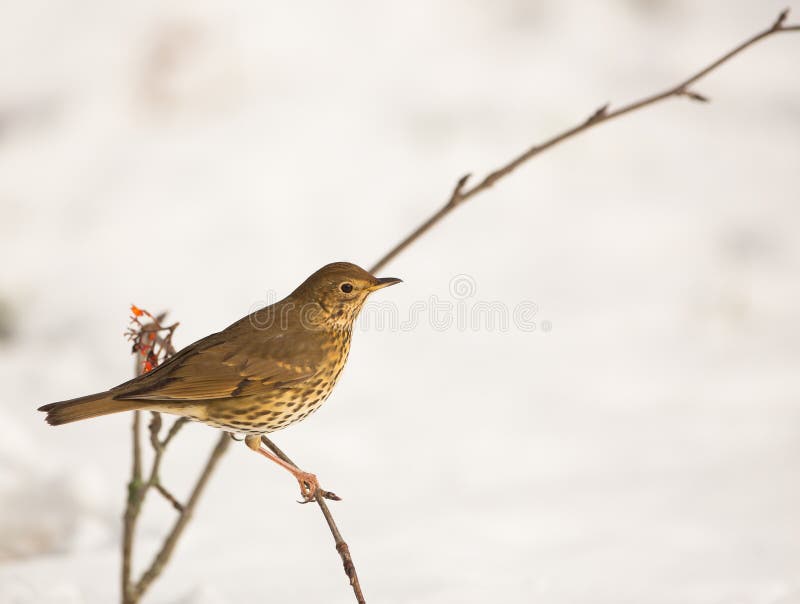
(191, 156)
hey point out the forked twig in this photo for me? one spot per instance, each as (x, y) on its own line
(165, 552)
(153, 347)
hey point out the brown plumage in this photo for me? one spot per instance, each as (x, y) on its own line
(268, 370)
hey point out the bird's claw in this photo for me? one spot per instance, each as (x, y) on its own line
(309, 485)
(309, 489)
(329, 495)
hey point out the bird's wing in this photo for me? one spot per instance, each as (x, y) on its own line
(225, 366)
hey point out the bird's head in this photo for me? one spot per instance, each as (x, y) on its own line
(334, 294)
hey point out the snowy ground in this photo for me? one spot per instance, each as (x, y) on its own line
(198, 155)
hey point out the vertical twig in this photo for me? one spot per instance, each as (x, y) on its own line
(132, 506)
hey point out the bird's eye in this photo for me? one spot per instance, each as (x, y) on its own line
(346, 287)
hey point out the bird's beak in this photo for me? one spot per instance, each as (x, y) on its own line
(384, 282)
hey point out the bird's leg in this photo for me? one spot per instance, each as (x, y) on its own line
(308, 482)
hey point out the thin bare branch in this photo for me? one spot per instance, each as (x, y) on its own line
(132, 593)
(167, 548)
(461, 194)
(131, 506)
(341, 545)
(176, 426)
(155, 428)
(169, 496)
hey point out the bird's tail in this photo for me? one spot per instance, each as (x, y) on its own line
(86, 407)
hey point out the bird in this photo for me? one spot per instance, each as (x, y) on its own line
(268, 370)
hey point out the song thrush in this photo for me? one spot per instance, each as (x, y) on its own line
(264, 372)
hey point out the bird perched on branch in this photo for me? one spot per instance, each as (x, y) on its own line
(266, 371)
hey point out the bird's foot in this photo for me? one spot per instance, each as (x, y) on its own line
(310, 489)
(309, 485)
